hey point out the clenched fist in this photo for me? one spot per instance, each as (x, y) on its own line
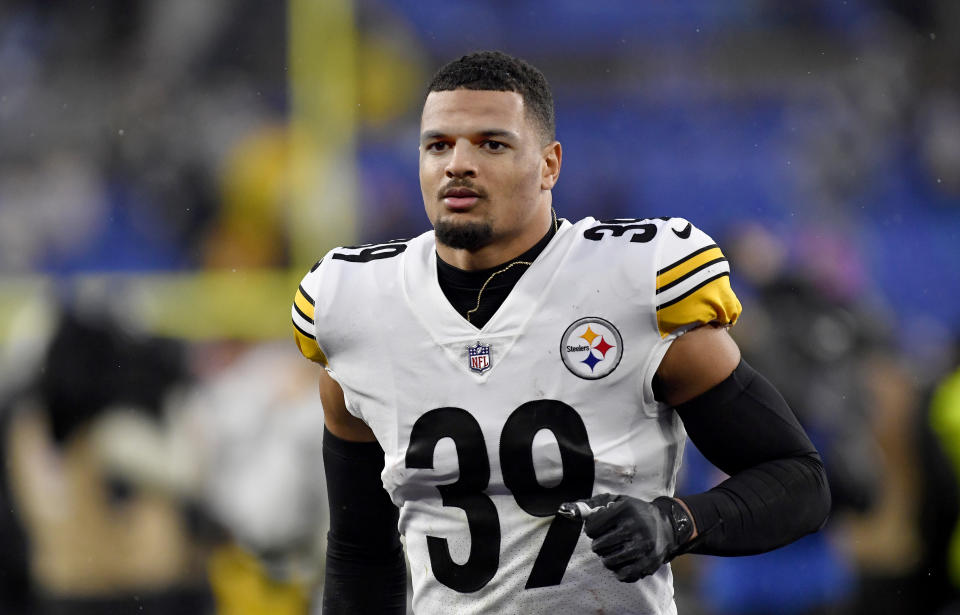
(633, 537)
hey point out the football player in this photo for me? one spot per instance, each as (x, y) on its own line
(511, 392)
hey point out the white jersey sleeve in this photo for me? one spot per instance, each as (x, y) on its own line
(303, 314)
(693, 280)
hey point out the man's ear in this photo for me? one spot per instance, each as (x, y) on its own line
(552, 157)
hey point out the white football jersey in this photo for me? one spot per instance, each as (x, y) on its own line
(486, 431)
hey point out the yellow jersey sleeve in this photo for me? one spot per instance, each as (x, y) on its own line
(302, 311)
(693, 280)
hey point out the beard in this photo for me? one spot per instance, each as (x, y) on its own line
(469, 236)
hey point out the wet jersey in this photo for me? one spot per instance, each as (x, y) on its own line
(486, 431)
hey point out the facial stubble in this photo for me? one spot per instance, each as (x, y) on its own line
(469, 236)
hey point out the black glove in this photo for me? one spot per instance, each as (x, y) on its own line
(632, 537)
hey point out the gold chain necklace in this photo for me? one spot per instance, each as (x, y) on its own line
(556, 226)
(492, 275)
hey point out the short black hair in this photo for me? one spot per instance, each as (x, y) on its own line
(499, 72)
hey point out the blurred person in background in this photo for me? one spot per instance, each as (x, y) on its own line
(97, 542)
(251, 431)
(150, 476)
(885, 541)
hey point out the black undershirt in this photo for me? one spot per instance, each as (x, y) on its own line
(462, 287)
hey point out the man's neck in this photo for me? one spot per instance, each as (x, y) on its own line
(477, 294)
(498, 253)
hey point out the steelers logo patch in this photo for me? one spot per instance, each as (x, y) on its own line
(591, 348)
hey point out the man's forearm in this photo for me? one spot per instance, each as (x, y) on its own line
(777, 490)
(761, 508)
(357, 581)
(365, 567)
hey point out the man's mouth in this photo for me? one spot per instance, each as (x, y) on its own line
(460, 198)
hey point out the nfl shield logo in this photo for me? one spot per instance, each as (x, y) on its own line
(479, 357)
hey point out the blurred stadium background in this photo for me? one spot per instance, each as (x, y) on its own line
(169, 170)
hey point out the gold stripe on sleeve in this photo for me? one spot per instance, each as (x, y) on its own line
(712, 302)
(304, 304)
(686, 265)
(308, 346)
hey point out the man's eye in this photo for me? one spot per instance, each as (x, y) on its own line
(494, 146)
(436, 146)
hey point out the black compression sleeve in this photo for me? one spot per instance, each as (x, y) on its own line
(777, 490)
(365, 571)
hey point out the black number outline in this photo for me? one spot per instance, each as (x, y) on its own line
(372, 252)
(519, 475)
(647, 232)
(466, 493)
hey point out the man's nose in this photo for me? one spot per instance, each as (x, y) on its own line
(462, 161)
